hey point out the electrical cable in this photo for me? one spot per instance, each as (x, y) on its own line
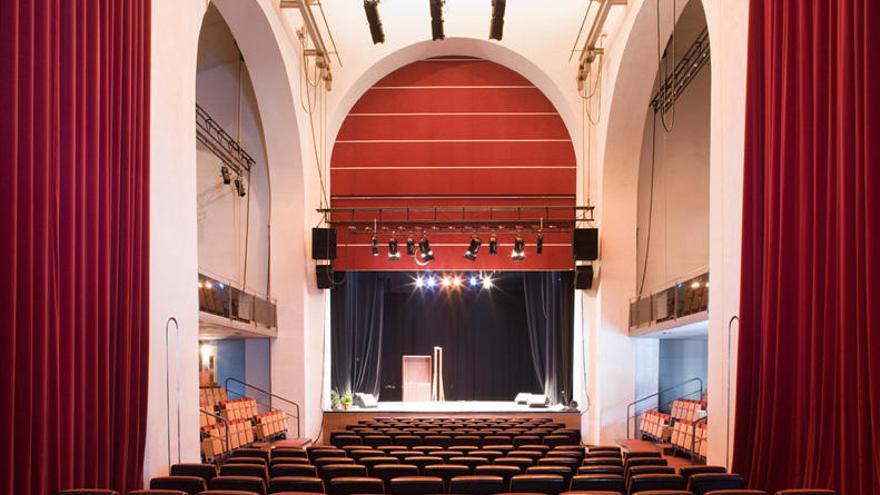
(650, 204)
(663, 70)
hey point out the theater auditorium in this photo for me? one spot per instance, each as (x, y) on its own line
(440, 247)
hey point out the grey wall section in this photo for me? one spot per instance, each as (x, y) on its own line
(231, 363)
(680, 360)
(246, 360)
(257, 364)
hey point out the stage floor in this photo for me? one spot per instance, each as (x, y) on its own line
(465, 406)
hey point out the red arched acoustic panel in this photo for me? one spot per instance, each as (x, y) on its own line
(453, 132)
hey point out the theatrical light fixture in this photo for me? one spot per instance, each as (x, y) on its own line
(474, 281)
(239, 187)
(493, 245)
(410, 246)
(437, 19)
(487, 282)
(227, 177)
(393, 250)
(445, 281)
(496, 27)
(695, 285)
(374, 245)
(519, 249)
(425, 250)
(431, 281)
(420, 282)
(473, 248)
(456, 281)
(539, 243)
(371, 7)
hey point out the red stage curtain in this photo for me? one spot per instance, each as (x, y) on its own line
(808, 385)
(74, 203)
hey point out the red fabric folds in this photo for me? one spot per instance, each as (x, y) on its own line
(74, 197)
(808, 385)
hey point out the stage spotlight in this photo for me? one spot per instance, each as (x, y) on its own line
(371, 7)
(496, 27)
(393, 250)
(227, 177)
(239, 187)
(430, 281)
(420, 282)
(472, 249)
(493, 245)
(519, 249)
(474, 281)
(425, 250)
(375, 245)
(437, 19)
(487, 282)
(445, 281)
(410, 246)
(539, 243)
(456, 281)
(695, 285)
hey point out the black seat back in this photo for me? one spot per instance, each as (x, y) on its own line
(243, 483)
(307, 484)
(598, 482)
(700, 484)
(189, 484)
(416, 485)
(355, 485)
(477, 485)
(549, 484)
(205, 471)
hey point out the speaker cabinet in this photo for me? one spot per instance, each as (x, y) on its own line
(325, 276)
(585, 244)
(583, 277)
(323, 244)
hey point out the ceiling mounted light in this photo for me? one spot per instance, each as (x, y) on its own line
(227, 177)
(420, 282)
(493, 245)
(393, 250)
(473, 248)
(437, 19)
(474, 281)
(487, 282)
(539, 243)
(374, 245)
(425, 250)
(456, 281)
(371, 7)
(239, 187)
(496, 27)
(519, 249)
(410, 246)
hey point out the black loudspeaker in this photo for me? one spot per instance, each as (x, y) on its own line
(323, 244)
(583, 277)
(325, 276)
(585, 244)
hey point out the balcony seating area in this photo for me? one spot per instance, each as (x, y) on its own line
(684, 428)
(246, 424)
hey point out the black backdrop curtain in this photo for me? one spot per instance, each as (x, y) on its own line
(74, 243)
(357, 314)
(549, 305)
(486, 337)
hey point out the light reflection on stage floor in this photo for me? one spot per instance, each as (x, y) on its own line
(456, 407)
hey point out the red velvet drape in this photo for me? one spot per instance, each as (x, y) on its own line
(74, 211)
(808, 385)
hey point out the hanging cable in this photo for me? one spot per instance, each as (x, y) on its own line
(650, 204)
(663, 69)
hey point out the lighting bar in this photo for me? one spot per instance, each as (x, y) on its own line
(687, 68)
(590, 50)
(211, 135)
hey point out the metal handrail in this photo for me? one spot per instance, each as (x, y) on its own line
(694, 453)
(225, 423)
(270, 395)
(657, 394)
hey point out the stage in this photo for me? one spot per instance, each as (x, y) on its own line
(337, 420)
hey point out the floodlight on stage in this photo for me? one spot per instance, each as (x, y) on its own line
(445, 281)
(420, 282)
(371, 7)
(227, 177)
(539, 243)
(410, 246)
(425, 250)
(456, 281)
(474, 281)
(374, 245)
(493, 245)
(487, 282)
(437, 19)
(393, 250)
(473, 248)
(519, 249)
(430, 281)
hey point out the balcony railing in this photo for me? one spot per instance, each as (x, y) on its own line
(683, 298)
(219, 298)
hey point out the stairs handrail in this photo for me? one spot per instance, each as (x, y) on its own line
(269, 394)
(657, 394)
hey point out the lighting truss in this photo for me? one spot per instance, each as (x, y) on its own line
(318, 47)
(224, 146)
(685, 71)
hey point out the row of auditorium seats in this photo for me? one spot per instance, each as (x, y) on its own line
(684, 428)
(243, 425)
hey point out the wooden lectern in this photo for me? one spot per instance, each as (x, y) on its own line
(417, 371)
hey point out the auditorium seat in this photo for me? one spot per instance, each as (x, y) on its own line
(355, 485)
(466, 440)
(476, 485)
(88, 491)
(491, 440)
(737, 492)
(423, 449)
(601, 470)
(700, 484)
(573, 454)
(323, 461)
(486, 453)
(359, 454)
(505, 471)
(552, 440)
(592, 492)
(242, 483)
(534, 455)
(374, 460)
(602, 461)
(546, 448)
(293, 452)
(416, 485)
(564, 471)
(688, 471)
(243, 470)
(598, 482)
(386, 472)
(340, 441)
(807, 491)
(560, 461)
(331, 471)
(549, 484)
(189, 484)
(377, 440)
(204, 471)
(444, 454)
(290, 460)
(306, 484)
(391, 448)
(438, 440)
(636, 470)
(646, 482)
(521, 462)
(157, 492)
(227, 492)
(644, 461)
(521, 440)
(258, 461)
(446, 471)
(407, 440)
(250, 452)
(293, 470)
